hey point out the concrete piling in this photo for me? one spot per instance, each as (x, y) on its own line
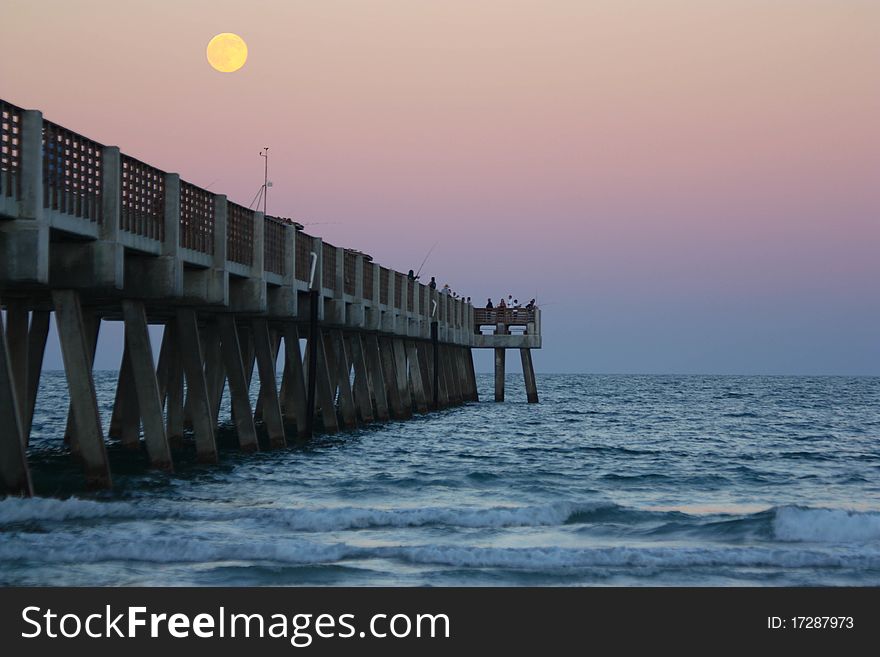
(293, 403)
(197, 388)
(14, 473)
(77, 356)
(268, 385)
(238, 390)
(499, 374)
(143, 370)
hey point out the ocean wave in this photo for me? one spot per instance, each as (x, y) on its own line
(319, 519)
(331, 519)
(553, 558)
(70, 547)
(801, 524)
(74, 548)
(17, 509)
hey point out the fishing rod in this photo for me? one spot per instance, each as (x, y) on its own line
(426, 258)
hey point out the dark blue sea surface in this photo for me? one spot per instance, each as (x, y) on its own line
(610, 480)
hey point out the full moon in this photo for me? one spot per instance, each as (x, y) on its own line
(227, 52)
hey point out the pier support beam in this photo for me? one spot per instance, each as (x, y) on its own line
(125, 422)
(39, 331)
(76, 354)
(293, 388)
(268, 385)
(92, 327)
(341, 372)
(461, 369)
(499, 374)
(174, 387)
(444, 397)
(378, 385)
(362, 395)
(326, 391)
(427, 374)
(238, 391)
(400, 375)
(215, 376)
(190, 350)
(143, 369)
(15, 477)
(529, 375)
(453, 379)
(415, 372)
(16, 340)
(389, 378)
(471, 374)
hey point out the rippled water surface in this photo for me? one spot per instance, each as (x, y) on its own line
(610, 480)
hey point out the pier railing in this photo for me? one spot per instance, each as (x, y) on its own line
(10, 150)
(506, 316)
(196, 218)
(85, 191)
(72, 180)
(273, 246)
(142, 211)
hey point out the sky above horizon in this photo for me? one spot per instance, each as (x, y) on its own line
(687, 186)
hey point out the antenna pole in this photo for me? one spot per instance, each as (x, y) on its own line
(265, 155)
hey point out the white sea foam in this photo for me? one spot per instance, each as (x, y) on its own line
(73, 547)
(334, 519)
(826, 525)
(16, 509)
(305, 519)
(556, 558)
(77, 547)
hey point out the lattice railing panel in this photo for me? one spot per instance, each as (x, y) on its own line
(273, 246)
(143, 199)
(328, 264)
(10, 150)
(239, 234)
(384, 277)
(303, 256)
(72, 173)
(399, 282)
(196, 218)
(369, 269)
(350, 269)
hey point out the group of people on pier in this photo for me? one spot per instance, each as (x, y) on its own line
(510, 302)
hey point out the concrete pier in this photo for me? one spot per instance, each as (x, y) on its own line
(509, 328)
(90, 234)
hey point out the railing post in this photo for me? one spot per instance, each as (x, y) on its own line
(339, 290)
(416, 316)
(171, 244)
(220, 214)
(359, 277)
(31, 170)
(24, 244)
(392, 311)
(111, 193)
(258, 262)
(289, 278)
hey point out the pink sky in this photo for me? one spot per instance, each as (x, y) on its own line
(690, 185)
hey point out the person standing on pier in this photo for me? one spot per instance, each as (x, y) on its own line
(432, 284)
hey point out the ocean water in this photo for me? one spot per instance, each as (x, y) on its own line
(610, 480)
